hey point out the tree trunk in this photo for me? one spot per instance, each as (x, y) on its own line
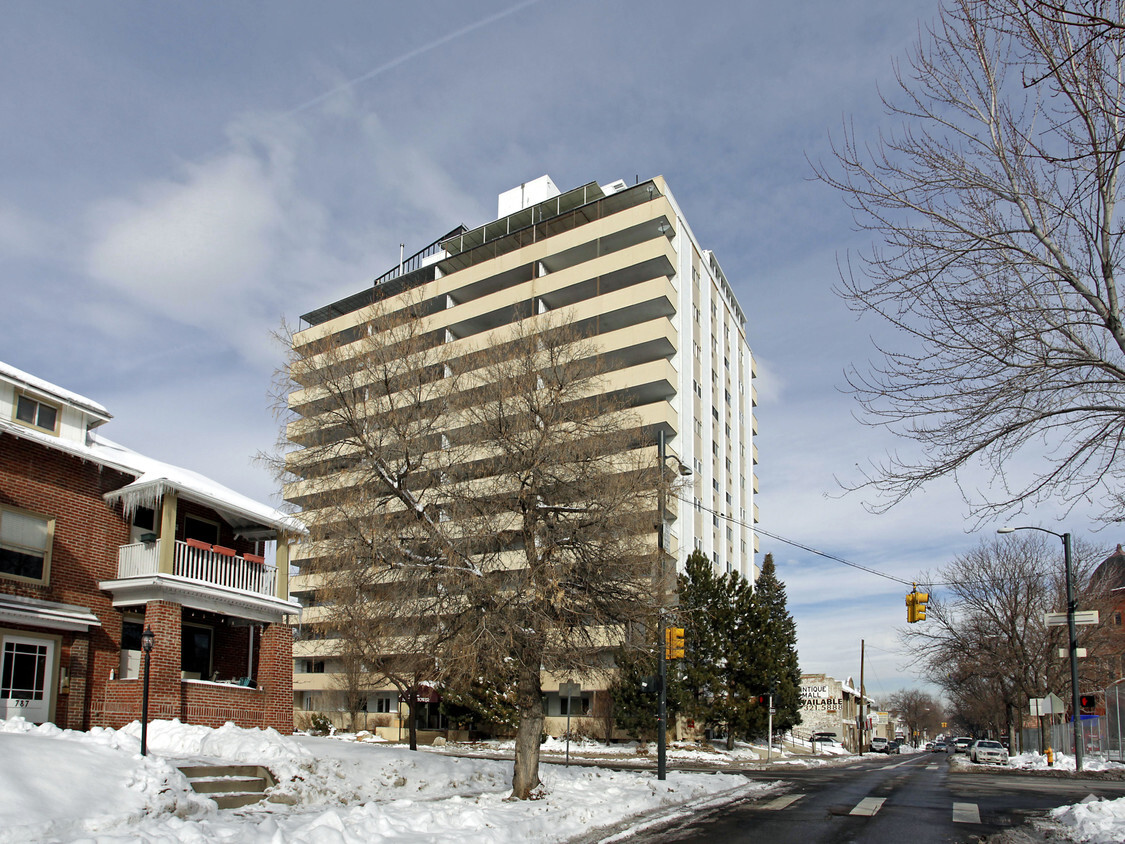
(525, 778)
(412, 716)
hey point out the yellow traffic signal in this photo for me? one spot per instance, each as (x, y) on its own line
(920, 599)
(674, 642)
(916, 605)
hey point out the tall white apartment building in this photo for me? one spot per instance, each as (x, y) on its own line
(622, 261)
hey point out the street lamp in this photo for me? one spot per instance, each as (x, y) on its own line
(147, 638)
(662, 644)
(1070, 606)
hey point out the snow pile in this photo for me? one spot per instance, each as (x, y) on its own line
(62, 786)
(58, 785)
(1062, 762)
(1093, 820)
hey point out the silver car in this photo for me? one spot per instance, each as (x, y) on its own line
(986, 750)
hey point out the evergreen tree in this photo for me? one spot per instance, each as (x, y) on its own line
(775, 665)
(636, 697)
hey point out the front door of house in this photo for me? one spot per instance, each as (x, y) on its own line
(26, 673)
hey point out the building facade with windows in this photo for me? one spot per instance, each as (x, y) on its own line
(622, 262)
(97, 543)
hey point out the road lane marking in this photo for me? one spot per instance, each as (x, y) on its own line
(782, 802)
(868, 806)
(932, 767)
(966, 813)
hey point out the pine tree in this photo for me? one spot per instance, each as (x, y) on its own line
(776, 664)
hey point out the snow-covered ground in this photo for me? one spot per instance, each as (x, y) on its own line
(66, 786)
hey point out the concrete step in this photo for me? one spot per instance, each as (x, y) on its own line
(230, 786)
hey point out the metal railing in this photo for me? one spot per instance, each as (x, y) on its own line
(199, 565)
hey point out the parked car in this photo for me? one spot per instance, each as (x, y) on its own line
(879, 745)
(893, 746)
(962, 744)
(987, 750)
(823, 738)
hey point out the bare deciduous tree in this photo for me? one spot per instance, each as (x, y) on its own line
(920, 712)
(486, 509)
(997, 248)
(988, 646)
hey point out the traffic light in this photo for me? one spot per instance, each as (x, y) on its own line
(920, 600)
(762, 700)
(1087, 701)
(674, 642)
(916, 605)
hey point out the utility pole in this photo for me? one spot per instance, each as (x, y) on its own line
(662, 711)
(862, 702)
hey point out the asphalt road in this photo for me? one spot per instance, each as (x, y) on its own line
(915, 799)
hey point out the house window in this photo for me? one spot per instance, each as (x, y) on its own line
(37, 414)
(25, 545)
(24, 667)
(201, 529)
(195, 651)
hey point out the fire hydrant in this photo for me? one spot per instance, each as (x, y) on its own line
(1050, 758)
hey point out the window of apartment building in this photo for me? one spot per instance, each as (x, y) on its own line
(698, 428)
(382, 702)
(727, 392)
(715, 413)
(25, 545)
(715, 448)
(37, 414)
(715, 484)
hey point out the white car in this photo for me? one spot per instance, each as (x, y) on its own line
(986, 750)
(879, 745)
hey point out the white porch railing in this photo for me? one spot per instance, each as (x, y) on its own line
(141, 559)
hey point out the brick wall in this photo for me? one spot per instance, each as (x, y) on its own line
(87, 534)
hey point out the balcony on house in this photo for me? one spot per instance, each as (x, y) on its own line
(201, 563)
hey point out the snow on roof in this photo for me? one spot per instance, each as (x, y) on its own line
(18, 376)
(154, 477)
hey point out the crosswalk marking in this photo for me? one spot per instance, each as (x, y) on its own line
(868, 806)
(966, 813)
(782, 802)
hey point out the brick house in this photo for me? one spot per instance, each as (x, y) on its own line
(98, 542)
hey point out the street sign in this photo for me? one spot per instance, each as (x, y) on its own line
(1078, 652)
(1052, 704)
(1058, 619)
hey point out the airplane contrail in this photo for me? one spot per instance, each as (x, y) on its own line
(395, 62)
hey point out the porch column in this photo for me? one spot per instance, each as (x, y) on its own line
(166, 560)
(282, 558)
(275, 676)
(164, 698)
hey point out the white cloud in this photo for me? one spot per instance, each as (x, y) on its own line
(185, 247)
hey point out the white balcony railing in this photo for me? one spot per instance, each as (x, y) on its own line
(199, 565)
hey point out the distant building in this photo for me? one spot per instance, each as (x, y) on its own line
(98, 543)
(620, 261)
(831, 706)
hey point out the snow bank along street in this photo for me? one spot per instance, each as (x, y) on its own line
(65, 786)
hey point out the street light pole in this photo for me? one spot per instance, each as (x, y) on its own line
(1072, 631)
(147, 639)
(662, 643)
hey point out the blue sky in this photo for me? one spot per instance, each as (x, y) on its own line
(178, 178)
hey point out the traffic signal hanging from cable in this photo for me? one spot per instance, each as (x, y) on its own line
(916, 605)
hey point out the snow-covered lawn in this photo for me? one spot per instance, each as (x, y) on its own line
(66, 786)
